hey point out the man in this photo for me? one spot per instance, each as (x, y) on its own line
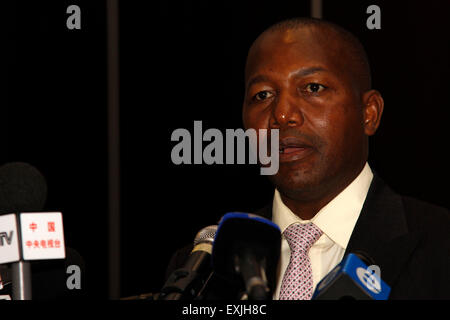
(310, 79)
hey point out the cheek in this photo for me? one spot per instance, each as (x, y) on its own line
(353, 139)
(255, 119)
(340, 131)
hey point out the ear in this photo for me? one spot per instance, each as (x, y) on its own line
(373, 109)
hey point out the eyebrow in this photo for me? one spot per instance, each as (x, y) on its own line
(257, 79)
(307, 71)
(298, 74)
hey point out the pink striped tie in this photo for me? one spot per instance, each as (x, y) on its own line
(297, 281)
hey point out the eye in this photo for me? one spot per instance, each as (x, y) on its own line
(262, 95)
(314, 87)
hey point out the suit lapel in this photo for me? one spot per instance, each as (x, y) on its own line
(382, 231)
(265, 212)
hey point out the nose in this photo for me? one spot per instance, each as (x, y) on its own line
(286, 112)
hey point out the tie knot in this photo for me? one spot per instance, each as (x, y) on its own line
(302, 236)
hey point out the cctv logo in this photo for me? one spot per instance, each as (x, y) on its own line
(370, 278)
(9, 244)
(4, 236)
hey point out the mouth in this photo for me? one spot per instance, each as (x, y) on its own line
(293, 149)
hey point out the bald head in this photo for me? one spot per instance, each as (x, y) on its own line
(340, 45)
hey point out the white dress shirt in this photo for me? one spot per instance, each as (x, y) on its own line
(337, 220)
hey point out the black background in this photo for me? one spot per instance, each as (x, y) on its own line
(182, 61)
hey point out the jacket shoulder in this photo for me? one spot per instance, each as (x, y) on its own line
(425, 217)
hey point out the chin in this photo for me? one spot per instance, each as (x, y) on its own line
(298, 182)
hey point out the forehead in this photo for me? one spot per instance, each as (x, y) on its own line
(282, 52)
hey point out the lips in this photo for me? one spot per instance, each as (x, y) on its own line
(293, 149)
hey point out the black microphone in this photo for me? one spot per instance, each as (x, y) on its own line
(186, 283)
(248, 246)
(22, 188)
(352, 279)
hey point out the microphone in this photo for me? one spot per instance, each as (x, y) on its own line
(22, 188)
(352, 279)
(186, 283)
(248, 246)
(23, 193)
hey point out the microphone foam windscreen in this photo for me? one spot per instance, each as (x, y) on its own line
(242, 231)
(22, 188)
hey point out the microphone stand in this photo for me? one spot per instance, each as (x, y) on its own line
(21, 273)
(21, 280)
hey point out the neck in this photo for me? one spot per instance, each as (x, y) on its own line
(306, 210)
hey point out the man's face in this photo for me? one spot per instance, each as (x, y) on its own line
(297, 82)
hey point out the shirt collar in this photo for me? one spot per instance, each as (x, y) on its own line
(338, 218)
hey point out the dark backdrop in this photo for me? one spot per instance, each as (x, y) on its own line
(182, 61)
(55, 117)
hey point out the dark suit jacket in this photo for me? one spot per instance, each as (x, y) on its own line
(408, 239)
